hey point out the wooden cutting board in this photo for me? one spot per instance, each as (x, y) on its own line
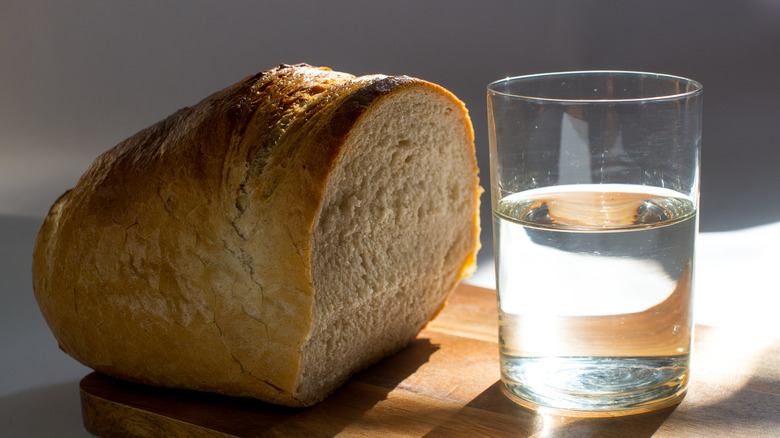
(446, 384)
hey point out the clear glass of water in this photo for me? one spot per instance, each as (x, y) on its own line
(595, 196)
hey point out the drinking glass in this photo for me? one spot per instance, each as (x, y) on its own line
(595, 194)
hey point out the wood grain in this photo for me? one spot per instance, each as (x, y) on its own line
(446, 384)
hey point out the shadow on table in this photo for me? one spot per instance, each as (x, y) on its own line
(716, 407)
(112, 406)
(749, 412)
(493, 414)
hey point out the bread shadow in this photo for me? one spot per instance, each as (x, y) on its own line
(112, 405)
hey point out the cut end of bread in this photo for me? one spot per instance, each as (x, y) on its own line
(395, 233)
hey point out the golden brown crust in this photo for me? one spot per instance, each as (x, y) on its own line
(181, 257)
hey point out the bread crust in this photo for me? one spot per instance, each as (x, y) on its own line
(182, 256)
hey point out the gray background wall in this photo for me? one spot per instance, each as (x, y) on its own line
(77, 77)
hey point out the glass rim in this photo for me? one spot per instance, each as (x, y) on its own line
(697, 87)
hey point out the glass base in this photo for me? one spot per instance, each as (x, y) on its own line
(595, 387)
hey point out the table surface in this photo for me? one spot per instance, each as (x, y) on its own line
(447, 382)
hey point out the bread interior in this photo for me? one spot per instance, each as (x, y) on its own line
(395, 230)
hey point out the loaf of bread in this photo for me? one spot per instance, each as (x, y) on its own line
(269, 241)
